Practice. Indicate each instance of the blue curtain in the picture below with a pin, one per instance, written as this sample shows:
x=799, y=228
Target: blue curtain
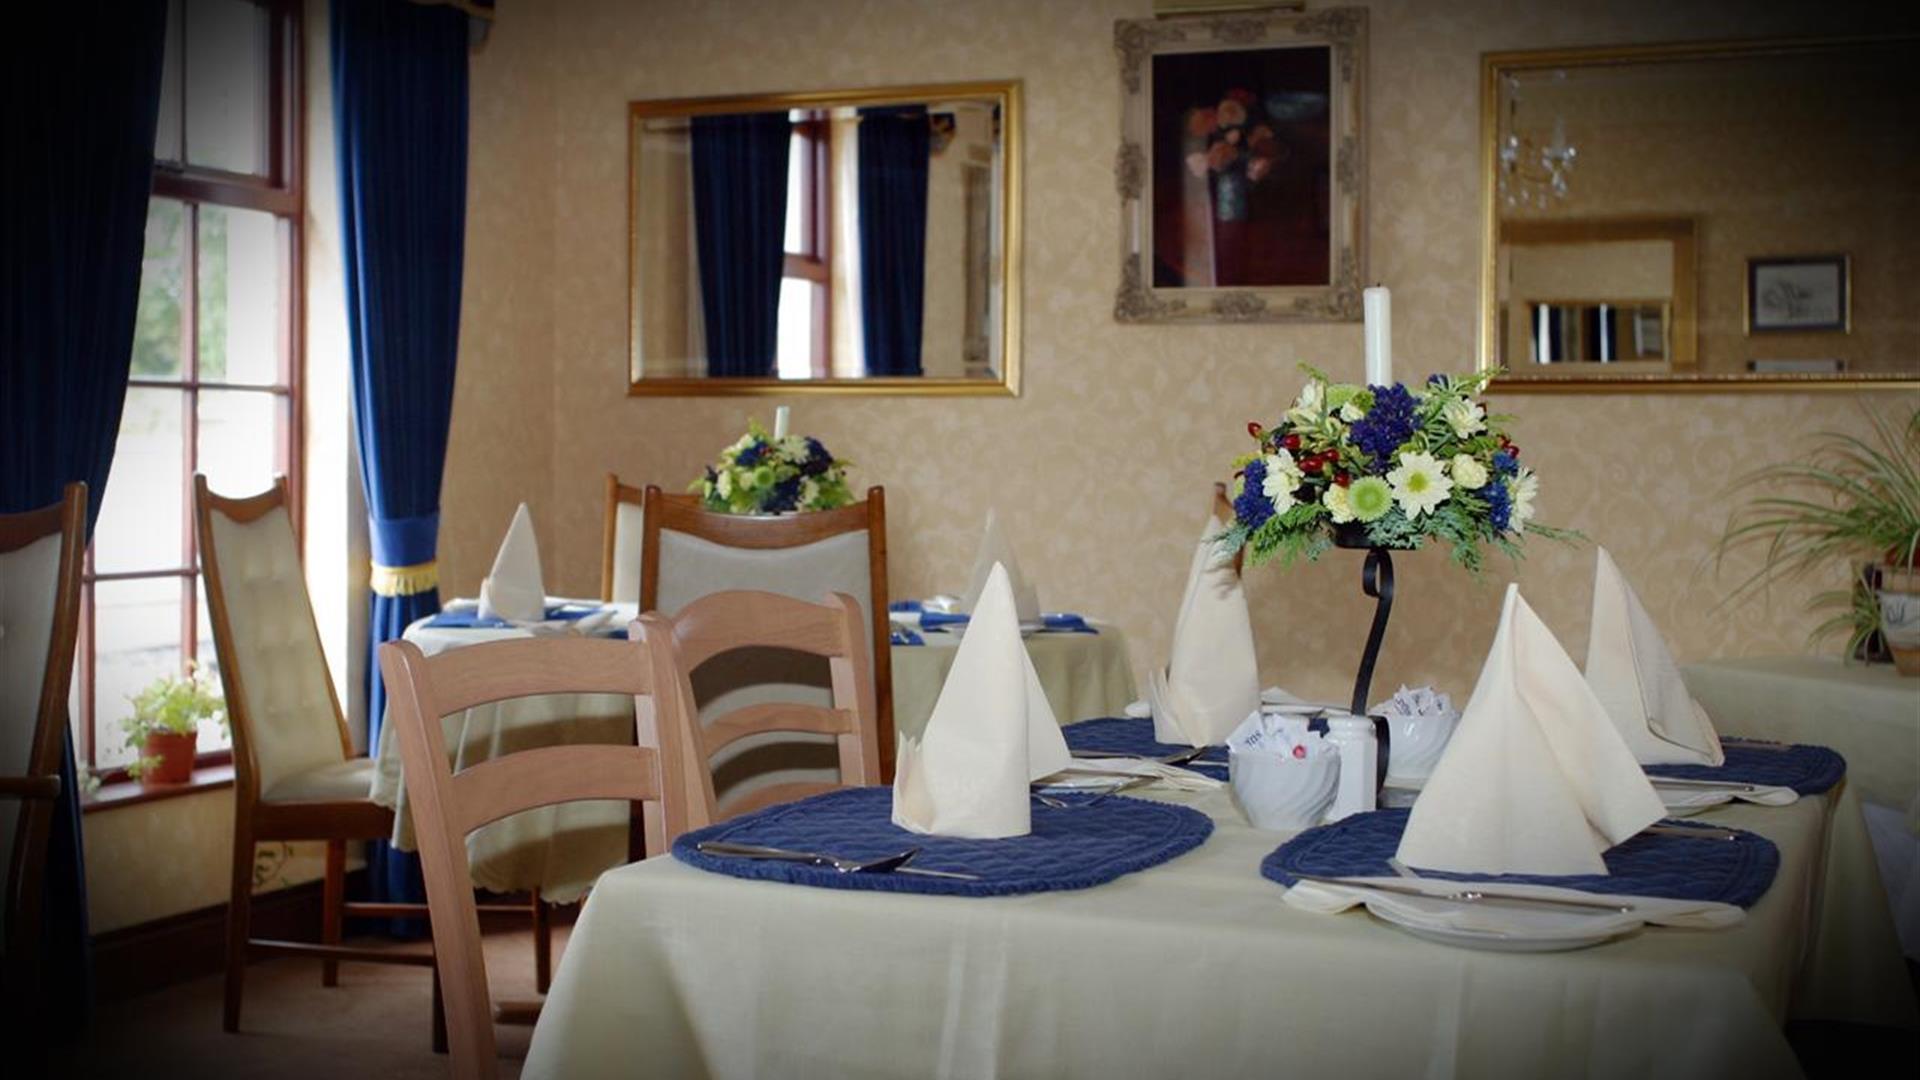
x=740, y=223
x=894, y=151
x=400, y=119
x=82, y=92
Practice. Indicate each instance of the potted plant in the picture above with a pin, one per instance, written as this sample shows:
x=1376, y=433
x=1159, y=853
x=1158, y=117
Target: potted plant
x=1849, y=497
x=165, y=726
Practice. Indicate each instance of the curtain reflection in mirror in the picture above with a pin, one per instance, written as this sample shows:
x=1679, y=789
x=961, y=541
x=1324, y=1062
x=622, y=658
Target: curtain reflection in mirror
x=740, y=212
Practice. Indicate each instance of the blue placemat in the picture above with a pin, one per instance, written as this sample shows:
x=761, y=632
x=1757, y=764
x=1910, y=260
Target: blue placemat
x=1808, y=770
x=468, y=618
x=1134, y=735
x=1051, y=622
x=1071, y=848
x=1675, y=867
x=905, y=635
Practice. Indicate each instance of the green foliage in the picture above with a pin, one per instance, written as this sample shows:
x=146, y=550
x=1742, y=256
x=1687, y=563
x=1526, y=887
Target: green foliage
x=174, y=704
x=1288, y=536
x=1856, y=612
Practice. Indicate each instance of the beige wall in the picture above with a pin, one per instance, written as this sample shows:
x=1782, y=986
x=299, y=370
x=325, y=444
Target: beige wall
x=1103, y=463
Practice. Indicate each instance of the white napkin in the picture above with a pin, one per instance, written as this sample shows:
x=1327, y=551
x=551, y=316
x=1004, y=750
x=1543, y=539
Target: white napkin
x=991, y=734
x=1212, y=681
x=514, y=591
x=1634, y=675
x=1536, y=780
x=994, y=548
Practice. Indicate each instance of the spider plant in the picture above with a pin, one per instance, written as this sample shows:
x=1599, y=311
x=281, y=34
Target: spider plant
x=1848, y=497
x=1856, y=611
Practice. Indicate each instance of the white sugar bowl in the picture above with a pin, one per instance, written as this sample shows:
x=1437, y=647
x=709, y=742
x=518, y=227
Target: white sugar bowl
x=1282, y=792
x=1415, y=745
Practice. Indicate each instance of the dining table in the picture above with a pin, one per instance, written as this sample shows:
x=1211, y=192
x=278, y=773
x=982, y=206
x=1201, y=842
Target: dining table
x=1198, y=967
x=561, y=850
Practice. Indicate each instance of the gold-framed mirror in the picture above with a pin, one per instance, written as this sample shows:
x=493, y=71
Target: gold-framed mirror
x=1702, y=216
x=836, y=241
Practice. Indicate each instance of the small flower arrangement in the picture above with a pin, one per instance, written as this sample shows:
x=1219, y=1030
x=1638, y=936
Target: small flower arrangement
x=166, y=719
x=761, y=474
x=1384, y=466
x=1234, y=142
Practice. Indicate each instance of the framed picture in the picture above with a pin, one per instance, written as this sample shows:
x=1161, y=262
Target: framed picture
x=1802, y=293
x=1241, y=169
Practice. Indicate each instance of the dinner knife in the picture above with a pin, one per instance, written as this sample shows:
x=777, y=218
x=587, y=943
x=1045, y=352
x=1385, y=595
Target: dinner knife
x=1468, y=894
x=755, y=851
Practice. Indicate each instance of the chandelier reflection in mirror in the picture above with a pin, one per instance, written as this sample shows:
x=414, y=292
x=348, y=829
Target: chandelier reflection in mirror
x=1532, y=173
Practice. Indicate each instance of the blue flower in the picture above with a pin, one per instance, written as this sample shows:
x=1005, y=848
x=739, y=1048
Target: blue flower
x=1505, y=464
x=784, y=496
x=1386, y=426
x=1437, y=379
x=1499, y=503
x=818, y=460
x=1252, y=506
x=752, y=455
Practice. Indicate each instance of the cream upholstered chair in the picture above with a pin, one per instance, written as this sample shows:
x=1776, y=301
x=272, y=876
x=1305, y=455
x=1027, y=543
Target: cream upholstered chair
x=295, y=774
x=689, y=552
x=446, y=806
x=40, y=553
x=620, y=549
x=726, y=622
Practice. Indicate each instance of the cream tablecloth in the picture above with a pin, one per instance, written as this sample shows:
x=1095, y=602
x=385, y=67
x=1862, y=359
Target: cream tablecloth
x=1870, y=714
x=1197, y=968
x=562, y=849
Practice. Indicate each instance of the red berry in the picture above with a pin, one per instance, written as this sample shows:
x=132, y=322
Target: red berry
x=1344, y=479
x=1254, y=429
x=1513, y=450
x=1291, y=442
x=1299, y=751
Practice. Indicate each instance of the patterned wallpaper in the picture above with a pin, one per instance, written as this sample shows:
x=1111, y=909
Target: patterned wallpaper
x=1102, y=466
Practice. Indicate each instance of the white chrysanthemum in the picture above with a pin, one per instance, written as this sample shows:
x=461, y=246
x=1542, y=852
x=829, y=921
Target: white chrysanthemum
x=1335, y=500
x=724, y=483
x=1419, y=484
x=1467, y=472
x=1282, y=477
x=1309, y=405
x=809, y=492
x=1351, y=413
x=1523, y=487
x=1464, y=417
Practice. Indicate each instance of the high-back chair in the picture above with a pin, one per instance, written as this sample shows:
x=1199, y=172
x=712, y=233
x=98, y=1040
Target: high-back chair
x=724, y=622
x=446, y=806
x=689, y=552
x=295, y=773
x=620, y=547
x=40, y=553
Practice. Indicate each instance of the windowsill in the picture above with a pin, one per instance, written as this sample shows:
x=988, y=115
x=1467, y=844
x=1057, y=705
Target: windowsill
x=131, y=793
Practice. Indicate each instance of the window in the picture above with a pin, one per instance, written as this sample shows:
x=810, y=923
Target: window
x=216, y=365
x=806, y=281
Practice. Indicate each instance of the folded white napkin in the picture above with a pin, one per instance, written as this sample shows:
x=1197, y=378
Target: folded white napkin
x=514, y=591
x=1683, y=801
x=995, y=548
x=991, y=734
x=1536, y=780
x=1212, y=680
x=1634, y=675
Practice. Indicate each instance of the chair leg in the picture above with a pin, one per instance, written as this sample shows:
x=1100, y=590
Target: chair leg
x=542, y=944
x=439, y=1015
x=239, y=909
x=332, y=896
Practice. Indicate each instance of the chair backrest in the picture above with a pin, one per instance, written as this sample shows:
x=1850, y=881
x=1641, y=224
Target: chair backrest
x=40, y=552
x=280, y=699
x=689, y=552
x=725, y=622
x=447, y=806
x=620, y=551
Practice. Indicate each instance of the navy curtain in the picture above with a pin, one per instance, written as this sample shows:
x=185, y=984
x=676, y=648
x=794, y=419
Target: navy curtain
x=82, y=94
x=400, y=119
x=740, y=223
x=894, y=151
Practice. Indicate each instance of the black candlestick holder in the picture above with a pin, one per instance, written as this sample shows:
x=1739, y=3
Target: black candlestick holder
x=1376, y=580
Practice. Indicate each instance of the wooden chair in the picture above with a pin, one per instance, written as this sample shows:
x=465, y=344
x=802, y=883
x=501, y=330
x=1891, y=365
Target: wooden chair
x=447, y=806
x=40, y=553
x=727, y=621
x=688, y=552
x=620, y=548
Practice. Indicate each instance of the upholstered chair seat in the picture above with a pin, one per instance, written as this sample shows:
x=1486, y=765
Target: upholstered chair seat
x=339, y=781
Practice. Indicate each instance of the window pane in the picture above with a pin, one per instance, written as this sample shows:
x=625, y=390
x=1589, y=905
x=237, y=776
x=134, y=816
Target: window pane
x=228, y=85
x=166, y=138
x=136, y=640
x=797, y=173
x=212, y=736
x=239, y=440
x=241, y=288
x=143, y=508
x=795, y=356
x=156, y=327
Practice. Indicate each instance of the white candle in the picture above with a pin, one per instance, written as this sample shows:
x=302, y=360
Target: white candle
x=1379, y=312
x=780, y=422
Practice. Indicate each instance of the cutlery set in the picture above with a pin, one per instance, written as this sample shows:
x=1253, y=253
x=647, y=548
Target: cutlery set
x=886, y=864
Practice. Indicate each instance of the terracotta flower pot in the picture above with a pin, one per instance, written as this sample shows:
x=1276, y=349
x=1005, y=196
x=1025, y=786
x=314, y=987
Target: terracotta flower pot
x=1900, y=616
x=176, y=758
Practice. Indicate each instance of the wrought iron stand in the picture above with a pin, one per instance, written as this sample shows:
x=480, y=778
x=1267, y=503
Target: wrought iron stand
x=1376, y=580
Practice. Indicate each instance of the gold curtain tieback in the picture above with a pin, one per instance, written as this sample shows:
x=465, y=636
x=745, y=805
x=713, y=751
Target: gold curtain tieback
x=405, y=580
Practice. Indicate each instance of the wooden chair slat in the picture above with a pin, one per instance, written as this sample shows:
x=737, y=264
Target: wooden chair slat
x=493, y=789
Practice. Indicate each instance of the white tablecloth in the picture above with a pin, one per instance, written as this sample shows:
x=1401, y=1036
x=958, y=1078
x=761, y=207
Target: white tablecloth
x=1197, y=968
x=1870, y=714
x=562, y=849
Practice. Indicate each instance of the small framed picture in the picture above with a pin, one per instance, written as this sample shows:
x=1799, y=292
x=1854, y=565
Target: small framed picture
x=1801, y=293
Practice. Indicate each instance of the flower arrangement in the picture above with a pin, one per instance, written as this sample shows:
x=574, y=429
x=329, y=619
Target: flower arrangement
x=765, y=474
x=1234, y=143
x=1384, y=466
